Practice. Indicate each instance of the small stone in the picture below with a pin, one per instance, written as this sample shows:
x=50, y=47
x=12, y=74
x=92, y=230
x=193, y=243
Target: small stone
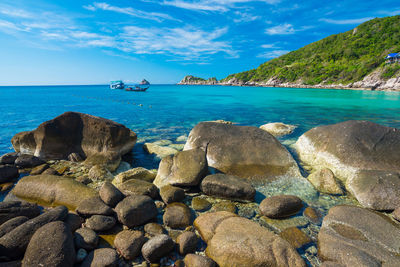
x=312, y=214
x=129, y=243
x=101, y=257
x=81, y=255
x=246, y=212
x=187, y=242
x=324, y=181
x=281, y=224
x=39, y=169
x=280, y=206
x=295, y=237
x=93, y=206
x=154, y=229
x=177, y=216
x=170, y=194
x=200, y=204
x=278, y=128
x=74, y=221
x=100, y=223
x=224, y=205
x=157, y=247
x=86, y=238
x=110, y=194
x=194, y=260
x=396, y=214
x=136, y=210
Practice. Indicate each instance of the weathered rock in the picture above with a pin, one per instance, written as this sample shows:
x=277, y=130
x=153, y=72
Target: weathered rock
x=12, y=209
x=104, y=257
x=136, y=173
x=324, y=181
x=224, y=205
x=139, y=187
x=129, y=243
x=9, y=158
x=159, y=151
x=100, y=223
x=50, y=171
x=247, y=152
x=187, y=242
x=350, y=146
x=51, y=245
x=14, y=243
x=295, y=237
x=106, y=160
x=9, y=225
x=157, y=247
x=354, y=236
x=177, y=216
x=281, y=224
x=39, y=169
x=74, y=221
x=110, y=194
x=7, y=173
x=200, y=204
x=136, y=210
x=74, y=132
x=280, y=206
x=227, y=186
x=52, y=190
x=378, y=190
x=93, y=206
x=226, y=235
x=28, y=161
x=171, y=194
x=153, y=229
x=278, y=128
x=186, y=168
x=193, y=260
x=75, y=157
x=86, y=238
x=396, y=214
x=100, y=173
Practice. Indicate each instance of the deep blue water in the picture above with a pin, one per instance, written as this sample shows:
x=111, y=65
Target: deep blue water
x=168, y=111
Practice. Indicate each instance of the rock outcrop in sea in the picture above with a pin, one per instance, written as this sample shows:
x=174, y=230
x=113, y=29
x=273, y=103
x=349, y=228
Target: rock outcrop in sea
x=191, y=80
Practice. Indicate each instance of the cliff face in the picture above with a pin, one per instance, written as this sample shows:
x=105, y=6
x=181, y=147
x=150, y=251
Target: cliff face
x=191, y=80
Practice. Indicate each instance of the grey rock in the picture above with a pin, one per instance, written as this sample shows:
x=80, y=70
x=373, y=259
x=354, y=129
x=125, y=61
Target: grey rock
x=9, y=225
x=100, y=223
x=104, y=257
x=187, y=242
x=139, y=187
x=86, y=238
x=74, y=221
x=157, y=247
x=110, y=194
x=136, y=210
x=280, y=206
x=93, y=206
x=177, y=216
x=11, y=209
x=7, y=173
x=193, y=260
x=129, y=243
x=171, y=194
x=28, y=161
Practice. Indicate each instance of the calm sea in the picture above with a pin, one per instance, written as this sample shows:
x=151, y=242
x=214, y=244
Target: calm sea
x=168, y=111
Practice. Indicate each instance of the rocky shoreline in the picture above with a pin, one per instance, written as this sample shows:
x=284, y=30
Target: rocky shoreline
x=230, y=196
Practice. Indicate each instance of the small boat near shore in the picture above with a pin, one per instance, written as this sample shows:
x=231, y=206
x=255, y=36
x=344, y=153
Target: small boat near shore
x=117, y=85
x=141, y=87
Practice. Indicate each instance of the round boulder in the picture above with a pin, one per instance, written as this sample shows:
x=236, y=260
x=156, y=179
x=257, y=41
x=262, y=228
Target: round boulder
x=157, y=247
x=171, y=194
x=187, y=242
x=136, y=210
x=193, y=260
x=86, y=238
x=139, y=187
x=281, y=206
x=106, y=257
x=177, y=216
x=129, y=243
x=278, y=128
x=100, y=223
x=110, y=194
x=324, y=181
x=93, y=206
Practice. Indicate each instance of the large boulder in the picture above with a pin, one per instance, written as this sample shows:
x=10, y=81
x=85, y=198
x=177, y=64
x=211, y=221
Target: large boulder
x=12, y=209
x=52, y=190
x=74, y=132
x=354, y=236
x=129, y=243
x=247, y=152
x=351, y=146
x=185, y=168
x=51, y=245
x=236, y=241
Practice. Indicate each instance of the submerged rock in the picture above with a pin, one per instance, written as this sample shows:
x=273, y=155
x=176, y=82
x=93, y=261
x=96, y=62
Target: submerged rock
x=278, y=128
x=247, y=152
x=135, y=173
x=160, y=151
x=74, y=132
x=295, y=237
x=281, y=206
x=324, y=181
x=354, y=236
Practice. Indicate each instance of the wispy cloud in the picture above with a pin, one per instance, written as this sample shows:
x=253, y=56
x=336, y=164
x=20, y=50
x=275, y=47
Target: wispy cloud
x=346, y=21
x=14, y=12
x=245, y=17
x=273, y=54
x=7, y=26
x=130, y=11
x=285, y=29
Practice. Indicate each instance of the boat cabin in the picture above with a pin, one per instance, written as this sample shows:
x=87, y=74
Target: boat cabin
x=393, y=58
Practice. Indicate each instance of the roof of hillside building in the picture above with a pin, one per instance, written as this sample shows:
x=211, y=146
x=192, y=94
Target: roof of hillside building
x=392, y=55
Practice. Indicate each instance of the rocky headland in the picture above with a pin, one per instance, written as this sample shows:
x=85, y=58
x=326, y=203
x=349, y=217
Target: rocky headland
x=230, y=196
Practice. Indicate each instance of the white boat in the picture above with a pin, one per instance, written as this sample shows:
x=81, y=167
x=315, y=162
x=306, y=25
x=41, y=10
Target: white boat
x=117, y=85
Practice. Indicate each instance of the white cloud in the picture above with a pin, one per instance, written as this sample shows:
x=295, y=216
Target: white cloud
x=273, y=54
x=285, y=29
x=13, y=12
x=245, y=17
x=346, y=21
x=268, y=46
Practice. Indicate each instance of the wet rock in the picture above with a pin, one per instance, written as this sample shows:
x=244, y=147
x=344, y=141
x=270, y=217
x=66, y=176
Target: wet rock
x=7, y=173
x=9, y=225
x=224, y=205
x=100, y=173
x=324, y=181
x=74, y=132
x=171, y=194
x=312, y=214
x=159, y=151
x=177, y=216
x=135, y=173
x=106, y=257
x=51, y=245
x=110, y=194
x=52, y=190
x=295, y=237
x=12, y=209
x=139, y=187
x=280, y=224
x=186, y=168
x=80, y=255
x=157, y=247
x=93, y=206
x=278, y=128
x=86, y=238
x=136, y=210
x=354, y=236
x=193, y=260
x=107, y=160
x=200, y=204
x=14, y=243
x=227, y=186
x=153, y=229
x=247, y=152
x=226, y=233
x=378, y=190
x=129, y=243
x=100, y=223
x=28, y=161
x=39, y=169
x=8, y=158
x=281, y=206
x=351, y=146
x=187, y=242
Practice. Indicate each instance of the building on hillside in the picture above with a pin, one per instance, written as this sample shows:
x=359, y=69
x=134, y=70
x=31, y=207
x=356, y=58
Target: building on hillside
x=393, y=58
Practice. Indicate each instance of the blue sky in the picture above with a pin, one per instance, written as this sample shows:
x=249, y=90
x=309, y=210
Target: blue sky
x=93, y=42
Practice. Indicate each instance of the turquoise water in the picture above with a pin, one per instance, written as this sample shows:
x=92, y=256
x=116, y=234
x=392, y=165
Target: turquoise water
x=168, y=111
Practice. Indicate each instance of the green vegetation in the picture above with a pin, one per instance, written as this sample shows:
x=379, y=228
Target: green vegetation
x=342, y=58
